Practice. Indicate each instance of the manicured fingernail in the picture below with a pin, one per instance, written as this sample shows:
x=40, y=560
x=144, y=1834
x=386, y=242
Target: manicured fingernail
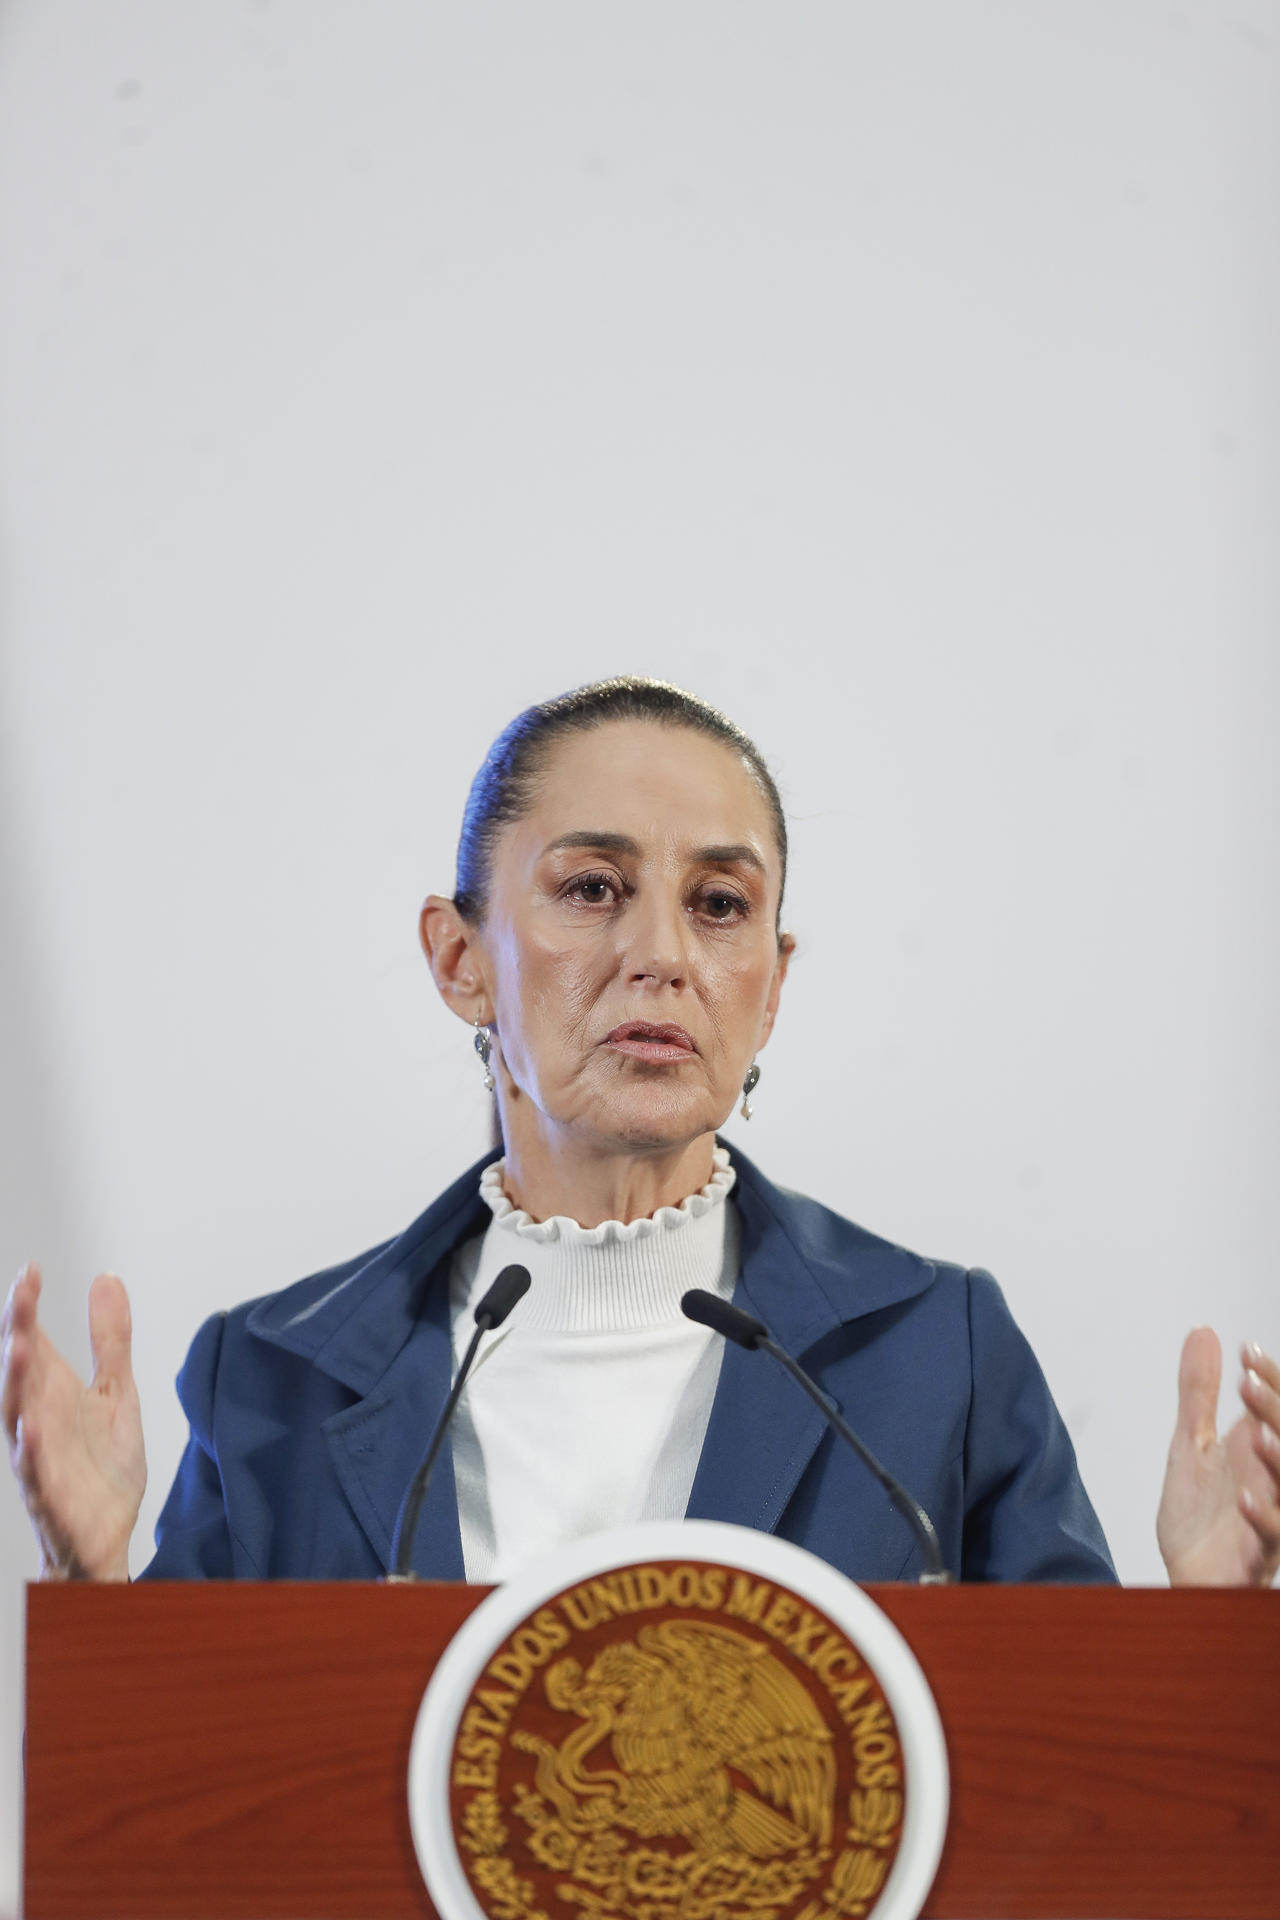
x=1247, y=1500
x=1253, y=1350
x=1270, y=1438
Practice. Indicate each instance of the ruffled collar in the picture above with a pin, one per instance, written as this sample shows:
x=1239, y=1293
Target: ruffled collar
x=694, y=1206
x=615, y=1277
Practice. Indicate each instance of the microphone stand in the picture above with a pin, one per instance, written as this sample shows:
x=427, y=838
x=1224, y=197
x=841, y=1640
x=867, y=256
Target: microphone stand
x=511, y=1285
x=709, y=1310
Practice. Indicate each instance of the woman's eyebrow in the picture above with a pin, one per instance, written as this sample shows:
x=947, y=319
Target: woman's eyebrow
x=739, y=854
x=607, y=842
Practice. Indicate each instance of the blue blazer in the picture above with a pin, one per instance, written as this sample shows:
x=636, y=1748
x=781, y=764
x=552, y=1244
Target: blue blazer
x=310, y=1410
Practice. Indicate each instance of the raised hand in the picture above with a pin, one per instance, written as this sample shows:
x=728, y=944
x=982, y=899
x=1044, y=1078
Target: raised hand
x=76, y=1450
x=1219, y=1519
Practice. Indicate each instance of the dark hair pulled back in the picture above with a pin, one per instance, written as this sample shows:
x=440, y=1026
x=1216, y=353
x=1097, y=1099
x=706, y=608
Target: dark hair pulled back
x=503, y=790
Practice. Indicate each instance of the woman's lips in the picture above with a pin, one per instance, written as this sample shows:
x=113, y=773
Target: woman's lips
x=644, y=1040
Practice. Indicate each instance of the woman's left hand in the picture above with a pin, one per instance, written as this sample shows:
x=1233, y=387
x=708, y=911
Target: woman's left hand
x=1219, y=1519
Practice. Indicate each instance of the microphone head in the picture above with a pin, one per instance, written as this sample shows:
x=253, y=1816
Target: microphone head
x=511, y=1285
x=711, y=1311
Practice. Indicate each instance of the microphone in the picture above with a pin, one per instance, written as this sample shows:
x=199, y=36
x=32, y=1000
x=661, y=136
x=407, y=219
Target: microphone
x=711, y=1311
x=511, y=1285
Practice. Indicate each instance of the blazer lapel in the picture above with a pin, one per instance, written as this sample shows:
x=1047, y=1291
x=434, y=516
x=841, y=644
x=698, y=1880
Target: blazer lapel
x=381, y=1328
x=763, y=1432
x=806, y=1273
x=378, y=1444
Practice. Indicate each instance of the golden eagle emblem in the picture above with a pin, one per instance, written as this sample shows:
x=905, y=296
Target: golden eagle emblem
x=689, y=1732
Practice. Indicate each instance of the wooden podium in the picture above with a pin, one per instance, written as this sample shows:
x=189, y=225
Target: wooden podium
x=225, y=1750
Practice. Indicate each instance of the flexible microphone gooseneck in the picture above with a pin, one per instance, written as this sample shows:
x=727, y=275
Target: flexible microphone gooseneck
x=711, y=1311
x=511, y=1285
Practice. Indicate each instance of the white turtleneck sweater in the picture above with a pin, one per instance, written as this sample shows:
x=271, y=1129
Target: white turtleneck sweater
x=588, y=1408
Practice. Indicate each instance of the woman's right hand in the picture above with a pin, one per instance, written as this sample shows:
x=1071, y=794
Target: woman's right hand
x=76, y=1450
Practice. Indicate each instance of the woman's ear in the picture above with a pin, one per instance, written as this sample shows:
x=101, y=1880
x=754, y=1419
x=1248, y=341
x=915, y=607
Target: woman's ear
x=456, y=959
x=786, y=947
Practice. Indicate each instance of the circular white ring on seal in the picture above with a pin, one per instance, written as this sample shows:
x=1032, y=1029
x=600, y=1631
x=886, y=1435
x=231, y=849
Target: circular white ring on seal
x=716, y=1543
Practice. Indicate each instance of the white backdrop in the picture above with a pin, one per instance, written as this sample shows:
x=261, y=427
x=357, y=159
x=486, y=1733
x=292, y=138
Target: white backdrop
x=901, y=377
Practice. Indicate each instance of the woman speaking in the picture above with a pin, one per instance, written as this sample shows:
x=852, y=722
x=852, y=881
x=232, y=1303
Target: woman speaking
x=614, y=948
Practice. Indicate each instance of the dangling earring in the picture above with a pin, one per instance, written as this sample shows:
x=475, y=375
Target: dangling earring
x=483, y=1045
x=749, y=1086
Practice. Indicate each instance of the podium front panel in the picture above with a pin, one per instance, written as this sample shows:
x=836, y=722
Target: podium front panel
x=237, y=1750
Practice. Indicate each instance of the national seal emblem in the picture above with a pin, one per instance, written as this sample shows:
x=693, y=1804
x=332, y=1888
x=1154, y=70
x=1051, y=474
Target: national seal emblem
x=697, y=1737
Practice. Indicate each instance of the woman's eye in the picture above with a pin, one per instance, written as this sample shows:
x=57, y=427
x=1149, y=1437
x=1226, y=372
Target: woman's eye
x=719, y=905
x=594, y=889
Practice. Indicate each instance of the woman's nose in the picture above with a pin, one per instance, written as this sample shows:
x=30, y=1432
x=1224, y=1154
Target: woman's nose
x=655, y=947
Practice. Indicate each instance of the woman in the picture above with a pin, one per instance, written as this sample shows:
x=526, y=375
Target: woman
x=615, y=946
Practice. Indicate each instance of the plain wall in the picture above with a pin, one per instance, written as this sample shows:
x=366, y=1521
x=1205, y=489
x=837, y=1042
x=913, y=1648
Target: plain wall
x=901, y=377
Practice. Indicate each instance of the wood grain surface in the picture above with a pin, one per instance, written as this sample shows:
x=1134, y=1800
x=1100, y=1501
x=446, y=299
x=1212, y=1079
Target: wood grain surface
x=242, y=1750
